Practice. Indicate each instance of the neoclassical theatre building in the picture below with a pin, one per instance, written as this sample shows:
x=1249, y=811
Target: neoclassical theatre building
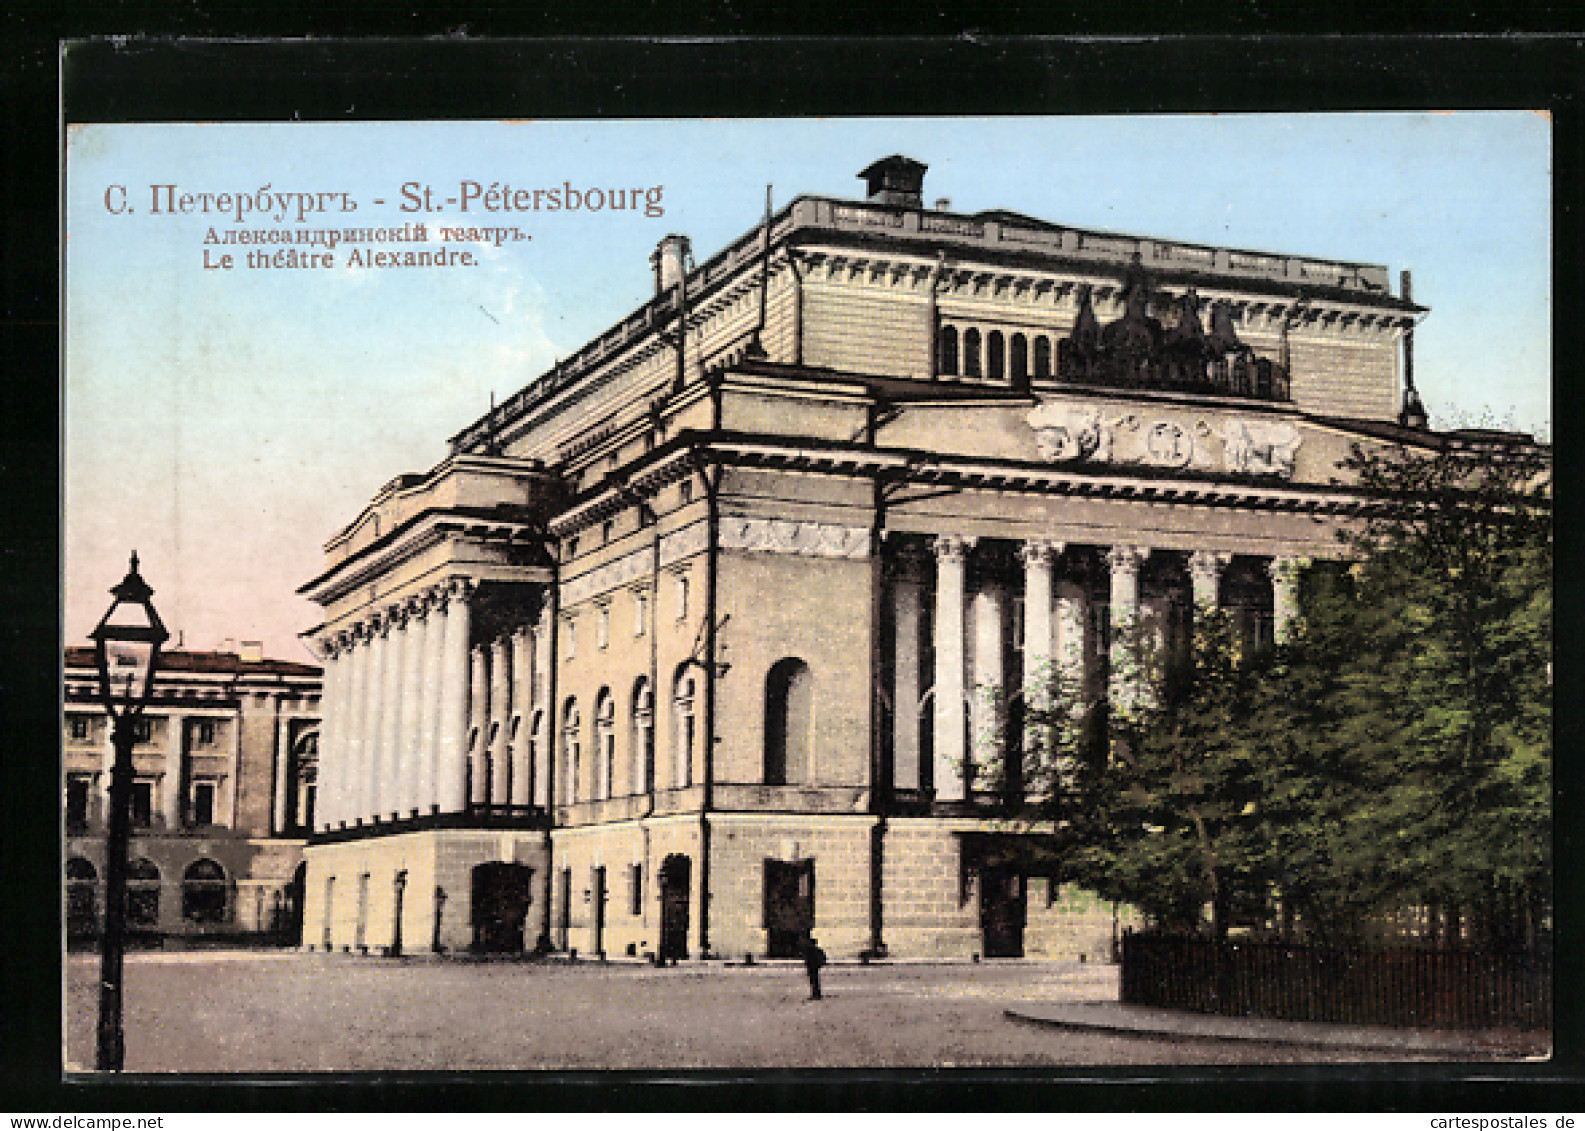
x=697, y=642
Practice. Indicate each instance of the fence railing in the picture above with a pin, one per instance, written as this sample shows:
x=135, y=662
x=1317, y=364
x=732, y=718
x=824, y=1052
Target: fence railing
x=1403, y=986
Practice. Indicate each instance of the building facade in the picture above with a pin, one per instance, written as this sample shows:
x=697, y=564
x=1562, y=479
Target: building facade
x=704, y=638
x=223, y=796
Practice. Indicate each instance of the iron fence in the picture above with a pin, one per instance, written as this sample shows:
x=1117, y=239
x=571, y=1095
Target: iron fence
x=1434, y=988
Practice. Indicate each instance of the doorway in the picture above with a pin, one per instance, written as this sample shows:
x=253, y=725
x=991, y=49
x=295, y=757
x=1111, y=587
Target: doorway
x=597, y=930
x=789, y=906
x=501, y=894
x=1002, y=912
x=675, y=874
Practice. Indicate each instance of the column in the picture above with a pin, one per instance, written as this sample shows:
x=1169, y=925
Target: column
x=283, y=759
x=950, y=723
x=452, y=742
x=1126, y=679
x=385, y=781
x=1039, y=557
x=478, y=730
x=990, y=637
x=907, y=618
x=171, y=794
x=356, y=717
x=544, y=751
x=414, y=655
x=1284, y=573
x=373, y=704
x=330, y=698
x=1205, y=576
x=500, y=721
x=425, y=779
x=523, y=708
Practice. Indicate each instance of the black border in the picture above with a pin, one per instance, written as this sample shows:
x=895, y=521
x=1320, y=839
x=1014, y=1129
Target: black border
x=455, y=75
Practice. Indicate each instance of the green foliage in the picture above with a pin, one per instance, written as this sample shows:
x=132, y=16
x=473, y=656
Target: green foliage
x=1394, y=751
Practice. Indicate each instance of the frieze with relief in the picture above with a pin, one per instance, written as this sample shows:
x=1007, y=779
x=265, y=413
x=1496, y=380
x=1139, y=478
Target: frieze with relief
x=1076, y=433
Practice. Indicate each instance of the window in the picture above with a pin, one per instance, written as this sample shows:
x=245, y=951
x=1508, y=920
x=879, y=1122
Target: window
x=635, y=889
x=971, y=352
x=606, y=531
x=1020, y=359
x=204, y=732
x=143, y=729
x=602, y=626
x=1042, y=356
x=570, y=637
x=204, y=803
x=643, y=771
x=947, y=360
x=82, y=909
x=995, y=355
x=683, y=713
x=605, y=743
x=682, y=597
x=789, y=713
x=572, y=548
x=572, y=752
x=536, y=746
x=640, y=612
x=143, y=893
x=79, y=727
x=142, y=804
x=78, y=791
x=204, y=892
x=685, y=491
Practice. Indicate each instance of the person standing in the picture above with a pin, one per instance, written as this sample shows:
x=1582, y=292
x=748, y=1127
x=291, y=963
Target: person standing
x=814, y=958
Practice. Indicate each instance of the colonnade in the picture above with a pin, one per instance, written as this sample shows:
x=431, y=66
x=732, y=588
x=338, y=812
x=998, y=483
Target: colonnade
x=1053, y=639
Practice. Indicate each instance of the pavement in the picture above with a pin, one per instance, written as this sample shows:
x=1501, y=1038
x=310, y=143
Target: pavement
x=1147, y=1021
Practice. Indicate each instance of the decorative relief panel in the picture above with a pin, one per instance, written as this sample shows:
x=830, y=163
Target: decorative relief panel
x=806, y=539
x=1069, y=433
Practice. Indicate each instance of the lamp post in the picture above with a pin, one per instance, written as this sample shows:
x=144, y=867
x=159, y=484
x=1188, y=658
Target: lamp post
x=127, y=650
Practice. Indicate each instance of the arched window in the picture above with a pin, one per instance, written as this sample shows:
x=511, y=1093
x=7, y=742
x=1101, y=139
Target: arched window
x=947, y=358
x=143, y=893
x=1042, y=356
x=789, y=715
x=643, y=779
x=1019, y=361
x=995, y=356
x=605, y=744
x=204, y=892
x=684, y=695
x=536, y=750
x=971, y=352
x=571, y=752
x=82, y=905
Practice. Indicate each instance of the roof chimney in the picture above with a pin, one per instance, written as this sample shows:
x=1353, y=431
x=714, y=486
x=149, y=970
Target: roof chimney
x=896, y=180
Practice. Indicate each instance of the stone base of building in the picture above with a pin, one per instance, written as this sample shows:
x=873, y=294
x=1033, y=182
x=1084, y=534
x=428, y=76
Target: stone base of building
x=444, y=890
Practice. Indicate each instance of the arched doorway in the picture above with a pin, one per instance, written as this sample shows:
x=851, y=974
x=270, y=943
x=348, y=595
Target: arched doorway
x=675, y=875
x=1002, y=911
x=501, y=894
x=143, y=894
x=204, y=892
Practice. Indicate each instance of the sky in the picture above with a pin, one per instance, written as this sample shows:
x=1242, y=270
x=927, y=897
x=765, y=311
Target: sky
x=226, y=422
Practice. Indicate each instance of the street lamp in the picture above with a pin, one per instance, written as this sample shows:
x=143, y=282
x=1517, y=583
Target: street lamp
x=127, y=650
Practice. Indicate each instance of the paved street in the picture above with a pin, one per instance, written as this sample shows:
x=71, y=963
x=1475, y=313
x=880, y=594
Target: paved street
x=287, y=1012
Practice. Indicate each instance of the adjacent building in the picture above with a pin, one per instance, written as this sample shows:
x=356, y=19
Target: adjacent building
x=223, y=797
x=707, y=637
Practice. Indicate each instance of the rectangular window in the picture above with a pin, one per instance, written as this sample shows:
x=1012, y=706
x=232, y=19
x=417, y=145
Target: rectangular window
x=682, y=597
x=569, y=631
x=602, y=627
x=640, y=612
x=635, y=889
x=143, y=730
x=606, y=532
x=685, y=491
x=204, y=732
x=204, y=803
x=77, y=793
x=142, y=804
x=80, y=727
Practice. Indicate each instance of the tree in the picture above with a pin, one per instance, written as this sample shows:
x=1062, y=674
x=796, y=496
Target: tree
x=1393, y=752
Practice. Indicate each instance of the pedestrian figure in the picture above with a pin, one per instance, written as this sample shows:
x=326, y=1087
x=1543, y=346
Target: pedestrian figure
x=814, y=958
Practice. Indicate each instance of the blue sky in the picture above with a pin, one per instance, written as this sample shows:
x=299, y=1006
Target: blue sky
x=226, y=423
